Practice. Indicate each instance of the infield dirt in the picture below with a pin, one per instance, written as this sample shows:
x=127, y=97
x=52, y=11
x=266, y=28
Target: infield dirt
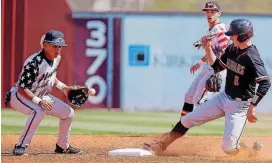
x=189, y=149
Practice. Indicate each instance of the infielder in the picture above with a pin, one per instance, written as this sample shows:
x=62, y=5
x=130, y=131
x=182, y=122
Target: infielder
x=31, y=94
x=197, y=93
x=245, y=69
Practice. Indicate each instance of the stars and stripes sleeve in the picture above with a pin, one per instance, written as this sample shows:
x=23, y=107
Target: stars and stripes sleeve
x=223, y=40
x=29, y=75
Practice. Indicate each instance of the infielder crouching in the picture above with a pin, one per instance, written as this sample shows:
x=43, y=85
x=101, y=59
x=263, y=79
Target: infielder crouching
x=245, y=69
x=31, y=95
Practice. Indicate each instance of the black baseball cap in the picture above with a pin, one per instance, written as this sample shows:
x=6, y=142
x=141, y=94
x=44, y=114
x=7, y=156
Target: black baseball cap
x=55, y=37
x=212, y=5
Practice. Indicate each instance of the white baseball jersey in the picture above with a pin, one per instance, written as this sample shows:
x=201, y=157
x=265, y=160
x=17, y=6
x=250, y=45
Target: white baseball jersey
x=196, y=93
x=39, y=74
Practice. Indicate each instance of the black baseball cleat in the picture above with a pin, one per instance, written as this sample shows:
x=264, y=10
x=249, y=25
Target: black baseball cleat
x=69, y=150
x=19, y=151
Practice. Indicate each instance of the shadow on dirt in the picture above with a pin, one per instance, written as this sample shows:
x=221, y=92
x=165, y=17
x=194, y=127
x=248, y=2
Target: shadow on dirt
x=40, y=153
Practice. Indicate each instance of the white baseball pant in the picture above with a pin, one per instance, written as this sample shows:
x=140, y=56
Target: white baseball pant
x=36, y=114
x=197, y=88
x=235, y=113
x=197, y=93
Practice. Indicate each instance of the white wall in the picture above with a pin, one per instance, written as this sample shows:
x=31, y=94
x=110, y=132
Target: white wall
x=162, y=86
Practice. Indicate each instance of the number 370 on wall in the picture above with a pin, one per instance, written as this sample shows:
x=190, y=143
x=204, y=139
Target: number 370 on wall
x=96, y=48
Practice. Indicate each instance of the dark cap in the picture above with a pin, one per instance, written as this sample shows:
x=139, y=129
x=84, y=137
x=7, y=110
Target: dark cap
x=55, y=37
x=240, y=26
x=212, y=5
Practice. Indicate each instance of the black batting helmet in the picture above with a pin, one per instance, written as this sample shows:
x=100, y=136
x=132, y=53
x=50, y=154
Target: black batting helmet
x=241, y=27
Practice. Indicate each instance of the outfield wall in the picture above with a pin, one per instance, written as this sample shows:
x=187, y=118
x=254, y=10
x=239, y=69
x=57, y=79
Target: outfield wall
x=163, y=78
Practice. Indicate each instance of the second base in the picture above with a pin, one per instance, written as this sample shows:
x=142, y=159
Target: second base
x=130, y=152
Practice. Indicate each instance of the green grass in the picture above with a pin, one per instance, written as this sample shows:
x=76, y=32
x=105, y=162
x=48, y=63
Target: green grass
x=97, y=122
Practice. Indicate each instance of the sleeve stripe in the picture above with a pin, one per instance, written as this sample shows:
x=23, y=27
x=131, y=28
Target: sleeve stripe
x=261, y=78
x=223, y=46
x=259, y=94
x=223, y=43
x=222, y=37
x=222, y=40
x=220, y=34
x=222, y=63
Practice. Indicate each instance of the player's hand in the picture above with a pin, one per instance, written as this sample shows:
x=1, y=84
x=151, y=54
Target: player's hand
x=194, y=68
x=46, y=104
x=203, y=39
x=207, y=42
x=251, y=114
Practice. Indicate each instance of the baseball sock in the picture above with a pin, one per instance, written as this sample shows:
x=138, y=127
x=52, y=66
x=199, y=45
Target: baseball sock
x=187, y=108
x=179, y=128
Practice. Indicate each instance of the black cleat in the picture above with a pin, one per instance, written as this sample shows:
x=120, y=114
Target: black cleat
x=69, y=150
x=19, y=151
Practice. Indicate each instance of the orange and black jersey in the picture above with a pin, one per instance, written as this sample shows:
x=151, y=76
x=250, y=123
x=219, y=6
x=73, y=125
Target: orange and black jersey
x=245, y=68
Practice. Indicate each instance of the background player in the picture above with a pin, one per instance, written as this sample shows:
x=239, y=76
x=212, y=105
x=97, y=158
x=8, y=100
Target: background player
x=196, y=93
x=237, y=103
x=31, y=95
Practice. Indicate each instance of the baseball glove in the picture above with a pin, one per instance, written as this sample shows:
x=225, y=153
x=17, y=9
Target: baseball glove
x=213, y=84
x=198, y=44
x=78, y=95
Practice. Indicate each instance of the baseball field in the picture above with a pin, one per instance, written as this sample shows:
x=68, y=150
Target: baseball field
x=99, y=131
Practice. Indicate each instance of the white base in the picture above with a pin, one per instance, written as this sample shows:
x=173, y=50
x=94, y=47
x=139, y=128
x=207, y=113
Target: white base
x=130, y=152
